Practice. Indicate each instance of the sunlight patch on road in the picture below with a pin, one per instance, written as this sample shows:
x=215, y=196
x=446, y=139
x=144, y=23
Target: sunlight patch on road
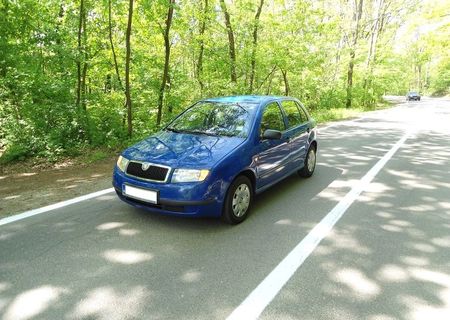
x=421, y=310
x=107, y=304
x=191, y=276
x=363, y=287
x=392, y=273
x=128, y=232
x=11, y=197
x=126, y=256
x=110, y=225
x=31, y=303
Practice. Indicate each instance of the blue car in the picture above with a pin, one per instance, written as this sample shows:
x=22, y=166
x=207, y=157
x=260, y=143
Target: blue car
x=213, y=158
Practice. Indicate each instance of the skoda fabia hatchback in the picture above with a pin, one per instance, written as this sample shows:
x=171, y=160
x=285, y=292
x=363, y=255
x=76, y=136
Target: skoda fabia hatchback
x=215, y=156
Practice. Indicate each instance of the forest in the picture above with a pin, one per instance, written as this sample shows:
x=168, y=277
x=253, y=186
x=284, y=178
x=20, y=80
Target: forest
x=84, y=74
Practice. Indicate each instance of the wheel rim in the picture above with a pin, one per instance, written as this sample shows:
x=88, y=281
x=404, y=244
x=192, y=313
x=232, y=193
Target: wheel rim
x=311, y=160
x=241, y=200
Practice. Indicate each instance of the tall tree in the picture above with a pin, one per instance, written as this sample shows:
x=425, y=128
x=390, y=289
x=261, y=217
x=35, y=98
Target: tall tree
x=127, y=68
x=81, y=18
x=357, y=13
x=202, y=29
x=231, y=42
x=255, y=44
x=113, y=51
x=167, y=46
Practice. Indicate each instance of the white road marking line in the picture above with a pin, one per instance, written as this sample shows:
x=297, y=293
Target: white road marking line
x=263, y=294
x=54, y=206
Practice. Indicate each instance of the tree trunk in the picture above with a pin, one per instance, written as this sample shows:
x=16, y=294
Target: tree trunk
x=286, y=83
x=202, y=47
x=80, y=31
x=356, y=18
x=85, y=66
x=231, y=44
x=371, y=55
x=127, y=68
x=166, y=61
x=116, y=65
x=255, y=44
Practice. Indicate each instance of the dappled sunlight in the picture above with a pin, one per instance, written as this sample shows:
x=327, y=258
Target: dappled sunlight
x=415, y=261
x=26, y=174
x=110, y=225
x=392, y=273
x=106, y=197
x=11, y=197
x=420, y=309
x=424, y=247
x=284, y=222
x=128, y=232
x=106, y=303
x=126, y=256
x=443, y=242
x=362, y=287
x=191, y=276
x=391, y=228
x=31, y=303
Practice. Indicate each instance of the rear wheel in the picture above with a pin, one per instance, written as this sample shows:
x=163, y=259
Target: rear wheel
x=238, y=200
x=310, y=163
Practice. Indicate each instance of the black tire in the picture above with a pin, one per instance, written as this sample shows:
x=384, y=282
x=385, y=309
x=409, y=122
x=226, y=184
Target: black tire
x=234, y=216
x=308, y=170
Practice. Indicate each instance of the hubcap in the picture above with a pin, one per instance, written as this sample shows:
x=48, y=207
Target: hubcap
x=311, y=160
x=241, y=200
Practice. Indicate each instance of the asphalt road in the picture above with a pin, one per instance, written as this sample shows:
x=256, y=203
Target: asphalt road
x=388, y=257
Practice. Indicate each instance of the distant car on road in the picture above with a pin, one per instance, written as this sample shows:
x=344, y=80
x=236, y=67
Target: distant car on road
x=413, y=96
x=214, y=157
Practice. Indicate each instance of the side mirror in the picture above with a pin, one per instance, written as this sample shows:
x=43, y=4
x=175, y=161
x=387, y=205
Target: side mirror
x=272, y=134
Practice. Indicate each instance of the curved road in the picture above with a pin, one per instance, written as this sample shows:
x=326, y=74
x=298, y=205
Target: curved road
x=387, y=256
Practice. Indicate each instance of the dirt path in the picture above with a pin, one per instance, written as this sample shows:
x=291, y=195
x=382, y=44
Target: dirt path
x=23, y=188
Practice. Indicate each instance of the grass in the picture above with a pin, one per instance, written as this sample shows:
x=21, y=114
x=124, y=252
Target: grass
x=335, y=114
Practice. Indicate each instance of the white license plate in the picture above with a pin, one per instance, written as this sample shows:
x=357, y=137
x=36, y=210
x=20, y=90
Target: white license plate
x=140, y=194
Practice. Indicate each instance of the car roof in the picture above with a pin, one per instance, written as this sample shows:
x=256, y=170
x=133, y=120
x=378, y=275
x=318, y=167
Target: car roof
x=246, y=99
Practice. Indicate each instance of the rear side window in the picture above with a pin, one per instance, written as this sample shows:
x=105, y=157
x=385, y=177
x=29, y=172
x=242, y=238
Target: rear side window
x=272, y=118
x=303, y=113
x=294, y=115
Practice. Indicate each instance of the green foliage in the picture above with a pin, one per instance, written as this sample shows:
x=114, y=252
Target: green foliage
x=303, y=49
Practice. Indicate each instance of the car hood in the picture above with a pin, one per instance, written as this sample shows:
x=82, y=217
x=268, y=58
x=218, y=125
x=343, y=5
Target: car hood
x=182, y=150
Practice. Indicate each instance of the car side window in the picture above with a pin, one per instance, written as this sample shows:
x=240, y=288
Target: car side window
x=272, y=118
x=293, y=113
x=302, y=113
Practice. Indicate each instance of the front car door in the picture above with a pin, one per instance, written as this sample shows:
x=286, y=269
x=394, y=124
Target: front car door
x=272, y=156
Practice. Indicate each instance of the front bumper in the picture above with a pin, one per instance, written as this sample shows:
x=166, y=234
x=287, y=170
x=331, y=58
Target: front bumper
x=182, y=199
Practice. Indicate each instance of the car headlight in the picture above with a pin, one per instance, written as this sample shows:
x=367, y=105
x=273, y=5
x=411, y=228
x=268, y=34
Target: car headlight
x=122, y=163
x=189, y=175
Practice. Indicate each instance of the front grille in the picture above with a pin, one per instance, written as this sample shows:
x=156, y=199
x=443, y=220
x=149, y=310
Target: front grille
x=154, y=172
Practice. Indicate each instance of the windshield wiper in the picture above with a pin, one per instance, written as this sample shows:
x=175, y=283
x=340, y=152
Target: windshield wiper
x=189, y=131
x=173, y=130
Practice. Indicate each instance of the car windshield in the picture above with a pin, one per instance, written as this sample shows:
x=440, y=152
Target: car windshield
x=215, y=118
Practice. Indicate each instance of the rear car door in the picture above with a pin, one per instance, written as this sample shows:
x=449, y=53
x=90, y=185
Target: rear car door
x=297, y=132
x=272, y=156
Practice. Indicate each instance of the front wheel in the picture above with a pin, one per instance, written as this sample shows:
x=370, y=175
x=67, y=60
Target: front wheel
x=238, y=201
x=310, y=163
